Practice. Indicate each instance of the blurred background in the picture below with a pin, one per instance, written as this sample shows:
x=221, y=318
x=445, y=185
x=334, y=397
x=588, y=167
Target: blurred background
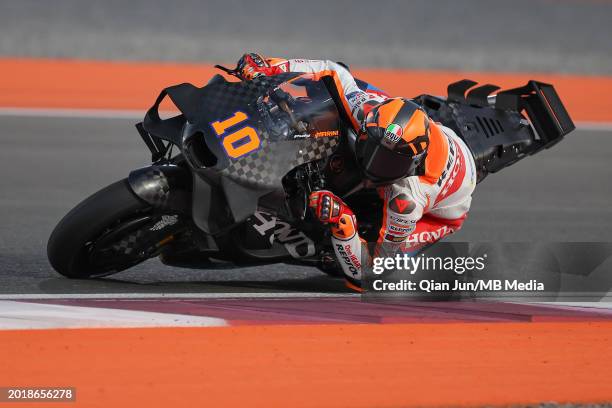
x=533, y=35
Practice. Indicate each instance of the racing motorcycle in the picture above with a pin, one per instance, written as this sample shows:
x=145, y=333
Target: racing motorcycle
x=231, y=173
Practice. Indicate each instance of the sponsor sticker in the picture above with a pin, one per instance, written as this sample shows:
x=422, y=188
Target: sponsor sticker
x=401, y=220
x=399, y=229
x=166, y=221
x=327, y=133
x=393, y=133
x=401, y=204
x=393, y=238
x=357, y=98
x=349, y=260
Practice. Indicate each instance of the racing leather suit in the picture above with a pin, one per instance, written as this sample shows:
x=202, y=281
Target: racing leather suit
x=417, y=210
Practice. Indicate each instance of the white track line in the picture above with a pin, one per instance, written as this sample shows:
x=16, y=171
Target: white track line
x=22, y=315
x=607, y=305
x=241, y=295
x=139, y=114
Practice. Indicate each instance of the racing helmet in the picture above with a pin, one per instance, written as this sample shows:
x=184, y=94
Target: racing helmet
x=393, y=140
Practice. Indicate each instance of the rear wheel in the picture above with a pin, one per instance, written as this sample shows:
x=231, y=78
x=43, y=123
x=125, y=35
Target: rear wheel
x=108, y=232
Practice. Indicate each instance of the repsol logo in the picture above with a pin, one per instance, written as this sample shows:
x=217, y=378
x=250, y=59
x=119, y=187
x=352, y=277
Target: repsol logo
x=347, y=260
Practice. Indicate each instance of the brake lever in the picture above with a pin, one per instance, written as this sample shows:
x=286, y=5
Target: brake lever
x=308, y=184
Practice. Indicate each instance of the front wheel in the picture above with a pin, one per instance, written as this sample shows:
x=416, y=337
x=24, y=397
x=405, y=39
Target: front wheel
x=108, y=232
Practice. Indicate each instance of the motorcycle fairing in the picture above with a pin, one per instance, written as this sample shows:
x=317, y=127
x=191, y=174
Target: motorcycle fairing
x=264, y=167
x=494, y=128
x=237, y=105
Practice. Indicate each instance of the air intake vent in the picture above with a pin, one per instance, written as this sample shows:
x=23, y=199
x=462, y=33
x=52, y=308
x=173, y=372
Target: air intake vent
x=198, y=153
x=490, y=127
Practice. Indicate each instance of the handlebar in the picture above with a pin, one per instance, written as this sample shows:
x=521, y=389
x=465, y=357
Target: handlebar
x=279, y=96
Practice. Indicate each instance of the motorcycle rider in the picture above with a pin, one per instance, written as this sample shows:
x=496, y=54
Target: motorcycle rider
x=423, y=171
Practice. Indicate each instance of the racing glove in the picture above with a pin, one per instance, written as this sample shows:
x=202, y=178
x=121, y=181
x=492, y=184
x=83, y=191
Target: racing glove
x=252, y=65
x=330, y=209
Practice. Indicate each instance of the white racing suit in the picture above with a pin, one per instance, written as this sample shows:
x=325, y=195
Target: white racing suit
x=417, y=210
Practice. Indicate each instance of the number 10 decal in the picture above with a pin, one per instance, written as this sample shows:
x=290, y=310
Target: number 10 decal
x=240, y=142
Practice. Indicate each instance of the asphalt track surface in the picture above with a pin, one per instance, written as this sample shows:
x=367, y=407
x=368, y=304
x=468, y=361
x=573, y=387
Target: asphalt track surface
x=535, y=35
x=49, y=164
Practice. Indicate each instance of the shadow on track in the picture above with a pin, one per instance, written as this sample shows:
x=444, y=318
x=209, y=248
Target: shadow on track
x=315, y=285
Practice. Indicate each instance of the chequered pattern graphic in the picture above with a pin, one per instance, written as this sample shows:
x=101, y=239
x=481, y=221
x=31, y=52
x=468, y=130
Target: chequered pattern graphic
x=267, y=166
x=316, y=149
x=225, y=98
x=159, y=190
x=127, y=244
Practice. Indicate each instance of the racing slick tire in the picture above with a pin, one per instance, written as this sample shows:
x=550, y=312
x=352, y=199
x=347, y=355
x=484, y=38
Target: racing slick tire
x=70, y=244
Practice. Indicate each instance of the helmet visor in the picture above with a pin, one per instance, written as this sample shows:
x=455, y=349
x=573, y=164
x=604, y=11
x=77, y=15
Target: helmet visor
x=383, y=165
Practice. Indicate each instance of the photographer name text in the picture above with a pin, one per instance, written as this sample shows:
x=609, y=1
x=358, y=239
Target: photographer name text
x=480, y=285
